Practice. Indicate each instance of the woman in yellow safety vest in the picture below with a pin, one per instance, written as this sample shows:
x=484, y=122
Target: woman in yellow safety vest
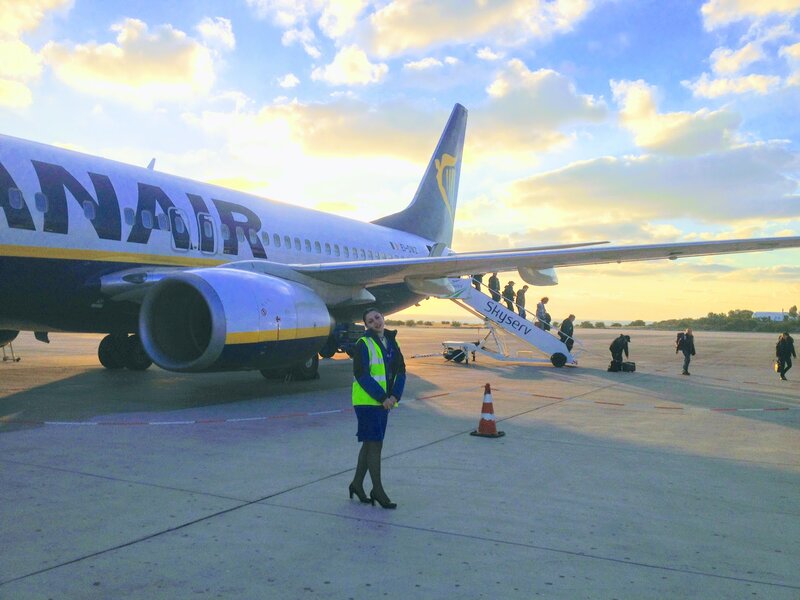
x=380, y=376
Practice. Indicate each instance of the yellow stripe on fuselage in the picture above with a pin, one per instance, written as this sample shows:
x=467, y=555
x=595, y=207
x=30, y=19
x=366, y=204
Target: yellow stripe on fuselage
x=254, y=337
x=108, y=256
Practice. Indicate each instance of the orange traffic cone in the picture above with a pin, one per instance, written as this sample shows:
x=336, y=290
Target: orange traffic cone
x=487, y=426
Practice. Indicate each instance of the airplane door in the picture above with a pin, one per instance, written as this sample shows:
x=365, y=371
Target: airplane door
x=181, y=240
x=205, y=225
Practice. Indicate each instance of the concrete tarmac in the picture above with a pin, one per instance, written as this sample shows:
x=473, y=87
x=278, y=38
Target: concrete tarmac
x=606, y=485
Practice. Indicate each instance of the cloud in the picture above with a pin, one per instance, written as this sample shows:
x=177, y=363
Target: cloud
x=303, y=36
x=17, y=18
x=284, y=13
x=217, y=32
x=19, y=64
x=672, y=133
x=411, y=25
x=526, y=110
x=350, y=67
x=718, y=13
x=792, y=55
x=754, y=180
x=142, y=68
x=14, y=94
x=725, y=61
x=423, y=64
x=487, y=53
x=289, y=80
x=340, y=16
x=706, y=87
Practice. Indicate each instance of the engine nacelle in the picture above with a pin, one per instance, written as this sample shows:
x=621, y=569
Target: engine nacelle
x=538, y=276
x=221, y=319
x=7, y=335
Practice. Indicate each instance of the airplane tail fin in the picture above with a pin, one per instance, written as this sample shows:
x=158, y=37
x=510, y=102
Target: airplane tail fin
x=433, y=209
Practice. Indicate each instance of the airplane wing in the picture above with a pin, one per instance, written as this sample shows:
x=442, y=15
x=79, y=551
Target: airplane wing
x=375, y=272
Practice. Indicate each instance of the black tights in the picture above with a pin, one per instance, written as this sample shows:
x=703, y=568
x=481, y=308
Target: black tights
x=369, y=459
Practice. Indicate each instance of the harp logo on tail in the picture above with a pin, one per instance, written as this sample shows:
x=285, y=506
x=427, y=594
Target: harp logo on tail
x=446, y=177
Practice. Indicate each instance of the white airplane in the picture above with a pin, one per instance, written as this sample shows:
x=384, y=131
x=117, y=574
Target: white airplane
x=195, y=277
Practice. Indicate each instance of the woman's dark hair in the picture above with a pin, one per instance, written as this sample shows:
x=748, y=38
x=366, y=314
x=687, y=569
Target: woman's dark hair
x=366, y=312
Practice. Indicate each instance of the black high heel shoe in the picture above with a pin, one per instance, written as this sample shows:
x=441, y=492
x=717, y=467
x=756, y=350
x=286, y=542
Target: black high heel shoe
x=361, y=495
x=384, y=504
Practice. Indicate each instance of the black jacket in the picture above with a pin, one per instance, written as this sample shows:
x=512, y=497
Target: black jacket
x=785, y=347
x=686, y=344
x=619, y=345
x=508, y=293
x=566, y=327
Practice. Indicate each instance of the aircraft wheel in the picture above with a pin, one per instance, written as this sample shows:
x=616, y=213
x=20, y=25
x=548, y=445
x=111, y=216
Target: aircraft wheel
x=558, y=360
x=274, y=374
x=329, y=349
x=136, y=359
x=306, y=370
x=110, y=352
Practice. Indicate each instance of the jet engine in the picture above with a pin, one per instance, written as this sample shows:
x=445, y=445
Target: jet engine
x=221, y=319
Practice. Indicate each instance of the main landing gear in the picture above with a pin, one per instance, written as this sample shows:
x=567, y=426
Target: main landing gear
x=119, y=350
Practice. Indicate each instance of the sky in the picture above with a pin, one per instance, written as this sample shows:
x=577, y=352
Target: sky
x=632, y=121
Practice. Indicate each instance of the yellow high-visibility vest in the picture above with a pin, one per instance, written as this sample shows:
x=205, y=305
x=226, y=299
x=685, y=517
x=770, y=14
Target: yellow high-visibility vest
x=377, y=370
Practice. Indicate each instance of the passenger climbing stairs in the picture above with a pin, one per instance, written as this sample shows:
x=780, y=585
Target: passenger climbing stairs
x=496, y=316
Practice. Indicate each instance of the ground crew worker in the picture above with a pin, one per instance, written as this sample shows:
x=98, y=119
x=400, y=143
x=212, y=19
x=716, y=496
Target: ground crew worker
x=379, y=373
x=618, y=346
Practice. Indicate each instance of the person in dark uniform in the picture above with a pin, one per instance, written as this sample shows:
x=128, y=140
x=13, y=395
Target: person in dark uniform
x=508, y=295
x=477, y=280
x=521, y=301
x=685, y=344
x=618, y=346
x=784, y=351
x=566, y=330
x=494, y=287
x=379, y=373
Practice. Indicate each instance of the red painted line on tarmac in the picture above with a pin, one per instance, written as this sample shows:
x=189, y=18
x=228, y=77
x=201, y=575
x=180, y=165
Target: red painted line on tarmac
x=610, y=403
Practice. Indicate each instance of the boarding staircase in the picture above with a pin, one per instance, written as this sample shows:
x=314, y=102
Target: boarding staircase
x=495, y=315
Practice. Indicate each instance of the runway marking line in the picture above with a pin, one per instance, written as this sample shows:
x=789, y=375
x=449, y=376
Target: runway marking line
x=8, y=421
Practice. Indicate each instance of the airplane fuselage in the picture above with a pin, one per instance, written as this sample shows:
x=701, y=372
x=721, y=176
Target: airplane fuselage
x=68, y=219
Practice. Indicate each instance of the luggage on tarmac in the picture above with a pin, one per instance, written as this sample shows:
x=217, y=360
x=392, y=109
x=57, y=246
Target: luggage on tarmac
x=629, y=367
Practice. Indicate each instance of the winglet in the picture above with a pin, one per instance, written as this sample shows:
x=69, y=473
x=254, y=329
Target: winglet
x=433, y=209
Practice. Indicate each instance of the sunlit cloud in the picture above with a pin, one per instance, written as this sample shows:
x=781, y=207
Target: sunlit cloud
x=725, y=61
x=672, y=133
x=14, y=94
x=19, y=63
x=423, y=64
x=527, y=109
x=303, y=36
x=350, y=67
x=217, y=32
x=340, y=16
x=289, y=80
x=406, y=25
x=706, y=87
x=487, y=53
x=142, y=68
x=718, y=13
x=746, y=181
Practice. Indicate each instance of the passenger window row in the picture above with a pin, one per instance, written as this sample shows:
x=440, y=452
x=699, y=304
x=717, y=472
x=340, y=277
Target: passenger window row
x=163, y=222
